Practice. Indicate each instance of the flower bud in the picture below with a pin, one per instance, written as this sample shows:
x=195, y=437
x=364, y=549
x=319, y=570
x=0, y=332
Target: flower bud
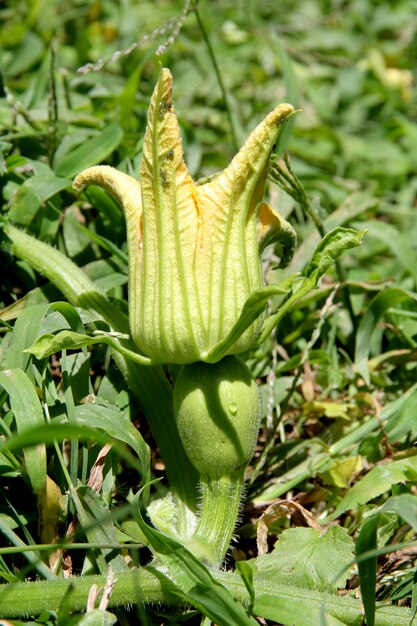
x=194, y=249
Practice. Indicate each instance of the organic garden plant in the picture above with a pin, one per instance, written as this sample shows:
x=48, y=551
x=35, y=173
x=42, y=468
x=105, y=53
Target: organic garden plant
x=180, y=380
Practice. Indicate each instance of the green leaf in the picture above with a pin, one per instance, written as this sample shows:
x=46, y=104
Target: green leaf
x=195, y=581
x=94, y=517
x=33, y=193
x=48, y=343
x=96, y=617
x=67, y=340
x=302, y=611
x=112, y=421
x=306, y=557
x=367, y=540
x=405, y=506
x=251, y=310
x=327, y=252
x=26, y=329
x=352, y=206
x=247, y=570
x=381, y=303
x=54, y=431
x=70, y=314
x=376, y=482
x=92, y=151
x=27, y=412
x=30, y=50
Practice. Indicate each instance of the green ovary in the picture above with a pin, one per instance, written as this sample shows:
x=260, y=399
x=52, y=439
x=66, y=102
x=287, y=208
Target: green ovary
x=217, y=408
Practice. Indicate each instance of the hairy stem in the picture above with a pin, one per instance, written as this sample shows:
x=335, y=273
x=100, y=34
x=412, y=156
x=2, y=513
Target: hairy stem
x=220, y=501
x=148, y=586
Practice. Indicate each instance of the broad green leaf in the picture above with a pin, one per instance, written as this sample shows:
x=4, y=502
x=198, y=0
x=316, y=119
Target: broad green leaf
x=333, y=410
x=26, y=55
x=381, y=303
x=376, y=482
x=96, y=617
x=92, y=151
x=195, y=581
x=48, y=343
x=327, y=252
x=306, y=557
x=341, y=471
x=27, y=411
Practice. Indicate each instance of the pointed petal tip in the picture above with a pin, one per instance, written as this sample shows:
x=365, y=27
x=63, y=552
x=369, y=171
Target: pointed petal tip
x=165, y=74
x=165, y=81
x=90, y=176
x=281, y=113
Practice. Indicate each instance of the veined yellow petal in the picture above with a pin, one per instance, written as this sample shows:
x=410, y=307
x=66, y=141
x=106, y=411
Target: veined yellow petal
x=127, y=192
x=170, y=314
x=229, y=230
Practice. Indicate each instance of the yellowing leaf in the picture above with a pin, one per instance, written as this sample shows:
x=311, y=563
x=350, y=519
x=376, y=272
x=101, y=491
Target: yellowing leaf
x=340, y=473
x=333, y=410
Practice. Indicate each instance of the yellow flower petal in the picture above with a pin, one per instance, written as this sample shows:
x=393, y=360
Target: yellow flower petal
x=170, y=311
x=194, y=250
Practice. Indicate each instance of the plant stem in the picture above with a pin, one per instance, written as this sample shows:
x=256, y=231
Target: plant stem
x=220, y=501
x=146, y=586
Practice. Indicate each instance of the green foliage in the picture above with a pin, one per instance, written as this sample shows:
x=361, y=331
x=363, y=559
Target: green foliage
x=79, y=419
x=307, y=557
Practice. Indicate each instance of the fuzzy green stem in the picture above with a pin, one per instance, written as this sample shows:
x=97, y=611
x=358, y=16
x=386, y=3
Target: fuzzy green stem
x=220, y=502
x=146, y=586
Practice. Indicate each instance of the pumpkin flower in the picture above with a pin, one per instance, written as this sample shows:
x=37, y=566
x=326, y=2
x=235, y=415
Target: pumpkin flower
x=194, y=248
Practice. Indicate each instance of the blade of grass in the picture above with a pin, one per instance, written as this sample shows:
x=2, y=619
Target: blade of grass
x=27, y=411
